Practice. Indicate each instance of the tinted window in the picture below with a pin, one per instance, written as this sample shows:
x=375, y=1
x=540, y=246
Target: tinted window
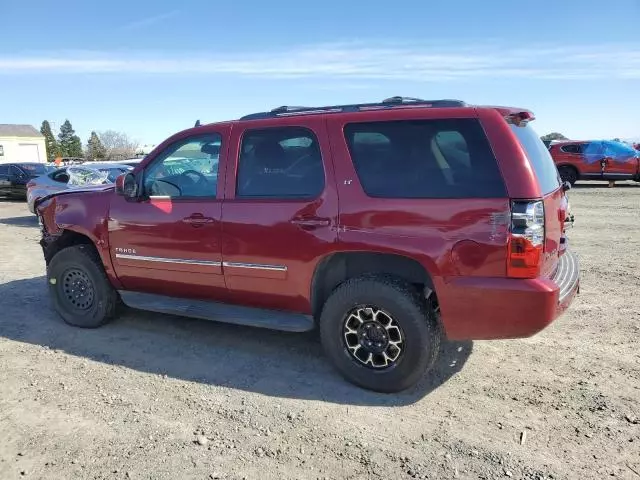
x=34, y=169
x=448, y=158
x=573, y=149
x=539, y=157
x=593, y=148
x=4, y=169
x=188, y=168
x=280, y=163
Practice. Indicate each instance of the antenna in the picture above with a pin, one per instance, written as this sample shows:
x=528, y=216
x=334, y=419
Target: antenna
x=197, y=123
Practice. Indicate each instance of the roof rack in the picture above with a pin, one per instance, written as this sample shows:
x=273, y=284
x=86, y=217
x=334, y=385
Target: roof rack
x=391, y=102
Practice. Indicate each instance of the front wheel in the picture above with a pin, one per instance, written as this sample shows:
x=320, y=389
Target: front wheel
x=79, y=288
x=379, y=333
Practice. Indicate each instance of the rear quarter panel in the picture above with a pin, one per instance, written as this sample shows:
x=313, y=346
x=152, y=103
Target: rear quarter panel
x=448, y=237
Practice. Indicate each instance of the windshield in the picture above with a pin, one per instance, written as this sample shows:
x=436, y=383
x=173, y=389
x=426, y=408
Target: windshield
x=112, y=173
x=539, y=157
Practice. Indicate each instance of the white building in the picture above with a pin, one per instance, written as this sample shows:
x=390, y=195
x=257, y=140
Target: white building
x=21, y=143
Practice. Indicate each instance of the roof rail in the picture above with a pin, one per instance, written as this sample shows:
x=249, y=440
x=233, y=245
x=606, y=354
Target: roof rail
x=391, y=102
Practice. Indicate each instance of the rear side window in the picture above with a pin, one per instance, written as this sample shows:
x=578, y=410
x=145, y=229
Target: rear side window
x=540, y=158
x=447, y=158
x=280, y=163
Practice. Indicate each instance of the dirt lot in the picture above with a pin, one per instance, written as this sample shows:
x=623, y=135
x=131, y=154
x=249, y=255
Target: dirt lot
x=159, y=397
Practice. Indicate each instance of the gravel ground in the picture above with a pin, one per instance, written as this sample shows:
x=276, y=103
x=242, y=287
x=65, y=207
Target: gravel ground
x=159, y=397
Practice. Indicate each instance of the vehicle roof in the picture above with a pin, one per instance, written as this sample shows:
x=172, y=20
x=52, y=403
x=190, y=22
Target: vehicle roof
x=387, y=105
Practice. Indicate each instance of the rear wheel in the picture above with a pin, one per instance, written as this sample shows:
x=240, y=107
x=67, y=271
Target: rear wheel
x=379, y=333
x=79, y=288
x=568, y=174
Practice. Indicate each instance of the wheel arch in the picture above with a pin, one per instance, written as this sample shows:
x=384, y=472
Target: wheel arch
x=570, y=166
x=64, y=239
x=337, y=267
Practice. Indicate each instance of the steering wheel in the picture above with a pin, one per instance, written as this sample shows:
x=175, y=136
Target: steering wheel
x=200, y=176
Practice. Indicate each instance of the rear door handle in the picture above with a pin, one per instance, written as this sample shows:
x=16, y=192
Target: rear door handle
x=310, y=223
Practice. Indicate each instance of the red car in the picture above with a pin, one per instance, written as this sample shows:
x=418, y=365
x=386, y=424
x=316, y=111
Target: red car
x=387, y=225
x=595, y=160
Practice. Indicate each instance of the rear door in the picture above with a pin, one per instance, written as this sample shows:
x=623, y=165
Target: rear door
x=19, y=179
x=169, y=241
x=280, y=211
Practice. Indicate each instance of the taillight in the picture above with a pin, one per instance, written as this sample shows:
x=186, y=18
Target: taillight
x=526, y=242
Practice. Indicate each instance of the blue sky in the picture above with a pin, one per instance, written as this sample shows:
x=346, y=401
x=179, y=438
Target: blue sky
x=153, y=68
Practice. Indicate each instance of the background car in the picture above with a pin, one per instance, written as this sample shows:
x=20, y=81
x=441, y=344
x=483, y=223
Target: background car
x=595, y=160
x=15, y=176
x=72, y=177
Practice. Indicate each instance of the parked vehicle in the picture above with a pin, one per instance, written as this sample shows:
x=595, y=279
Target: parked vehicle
x=386, y=225
x=596, y=160
x=15, y=176
x=72, y=177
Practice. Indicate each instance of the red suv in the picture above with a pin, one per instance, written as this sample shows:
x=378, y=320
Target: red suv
x=596, y=160
x=387, y=225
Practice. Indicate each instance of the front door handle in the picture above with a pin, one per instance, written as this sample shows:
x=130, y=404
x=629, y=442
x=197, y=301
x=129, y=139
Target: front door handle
x=310, y=223
x=198, y=220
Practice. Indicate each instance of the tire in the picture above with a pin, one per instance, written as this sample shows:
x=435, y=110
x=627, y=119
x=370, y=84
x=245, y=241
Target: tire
x=391, y=298
x=93, y=301
x=568, y=174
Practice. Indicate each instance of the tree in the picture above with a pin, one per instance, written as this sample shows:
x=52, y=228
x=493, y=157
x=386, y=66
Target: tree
x=553, y=136
x=49, y=141
x=69, y=143
x=95, y=148
x=118, y=145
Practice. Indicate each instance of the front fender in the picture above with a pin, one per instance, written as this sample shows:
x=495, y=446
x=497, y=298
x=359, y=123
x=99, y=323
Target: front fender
x=68, y=218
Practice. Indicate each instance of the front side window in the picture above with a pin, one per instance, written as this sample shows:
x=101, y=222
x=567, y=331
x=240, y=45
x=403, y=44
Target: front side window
x=446, y=158
x=188, y=168
x=282, y=162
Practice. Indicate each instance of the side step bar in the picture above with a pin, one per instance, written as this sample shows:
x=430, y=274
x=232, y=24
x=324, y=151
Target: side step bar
x=219, y=312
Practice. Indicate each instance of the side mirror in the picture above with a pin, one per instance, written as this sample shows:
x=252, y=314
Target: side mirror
x=566, y=186
x=127, y=186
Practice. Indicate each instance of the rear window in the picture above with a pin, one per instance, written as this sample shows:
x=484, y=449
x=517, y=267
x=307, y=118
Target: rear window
x=446, y=158
x=539, y=157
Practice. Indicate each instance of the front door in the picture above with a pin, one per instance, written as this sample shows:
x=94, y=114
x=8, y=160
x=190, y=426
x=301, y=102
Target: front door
x=280, y=212
x=168, y=242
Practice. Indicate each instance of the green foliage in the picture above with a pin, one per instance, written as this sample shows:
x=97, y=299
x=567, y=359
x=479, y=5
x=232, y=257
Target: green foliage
x=553, y=136
x=95, y=148
x=69, y=143
x=49, y=140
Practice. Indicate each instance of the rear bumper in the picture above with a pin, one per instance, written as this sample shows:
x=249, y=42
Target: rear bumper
x=493, y=308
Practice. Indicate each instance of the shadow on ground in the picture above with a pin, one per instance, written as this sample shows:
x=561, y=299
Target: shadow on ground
x=604, y=184
x=24, y=221
x=251, y=359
